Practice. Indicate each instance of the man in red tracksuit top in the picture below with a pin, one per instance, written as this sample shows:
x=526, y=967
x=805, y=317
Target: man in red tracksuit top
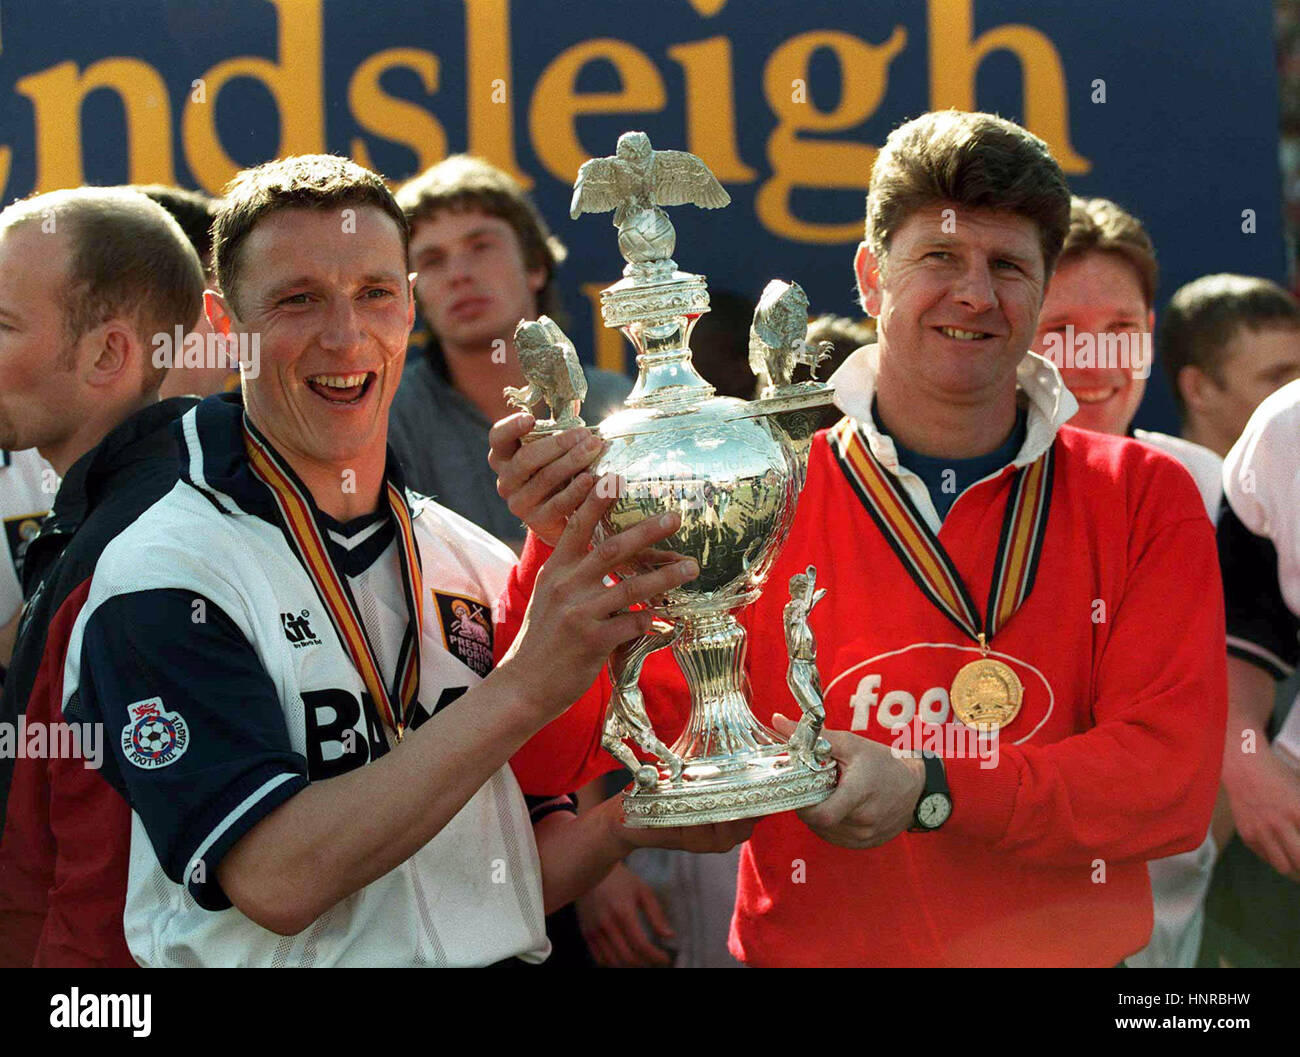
x=953, y=478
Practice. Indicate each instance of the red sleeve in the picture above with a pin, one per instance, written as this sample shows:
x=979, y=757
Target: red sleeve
x=67, y=840
x=1141, y=783
x=566, y=754
x=91, y=823
x=26, y=862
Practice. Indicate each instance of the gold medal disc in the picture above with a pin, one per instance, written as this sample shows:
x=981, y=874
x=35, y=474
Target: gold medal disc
x=986, y=694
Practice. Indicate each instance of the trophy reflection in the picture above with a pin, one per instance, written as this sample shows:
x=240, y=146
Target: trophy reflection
x=732, y=469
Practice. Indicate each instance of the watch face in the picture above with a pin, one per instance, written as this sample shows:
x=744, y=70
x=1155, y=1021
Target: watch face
x=933, y=811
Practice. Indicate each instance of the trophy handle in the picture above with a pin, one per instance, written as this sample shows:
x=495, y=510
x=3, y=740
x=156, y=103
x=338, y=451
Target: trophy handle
x=626, y=716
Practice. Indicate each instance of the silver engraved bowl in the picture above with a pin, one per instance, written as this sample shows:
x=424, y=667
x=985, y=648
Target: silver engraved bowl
x=731, y=479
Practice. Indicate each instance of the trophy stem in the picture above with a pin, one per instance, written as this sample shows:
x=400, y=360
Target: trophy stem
x=711, y=654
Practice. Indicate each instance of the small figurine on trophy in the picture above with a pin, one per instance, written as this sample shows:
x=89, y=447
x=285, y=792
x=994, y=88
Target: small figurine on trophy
x=550, y=364
x=802, y=676
x=626, y=716
x=777, y=338
x=634, y=183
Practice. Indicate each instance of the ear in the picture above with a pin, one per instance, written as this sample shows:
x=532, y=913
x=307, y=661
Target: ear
x=867, y=269
x=536, y=280
x=1151, y=320
x=218, y=311
x=1195, y=386
x=410, y=299
x=109, y=353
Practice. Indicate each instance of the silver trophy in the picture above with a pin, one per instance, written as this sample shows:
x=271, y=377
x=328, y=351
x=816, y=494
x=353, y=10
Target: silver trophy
x=732, y=468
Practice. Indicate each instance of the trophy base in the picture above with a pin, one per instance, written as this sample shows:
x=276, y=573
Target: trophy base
x=760, y=785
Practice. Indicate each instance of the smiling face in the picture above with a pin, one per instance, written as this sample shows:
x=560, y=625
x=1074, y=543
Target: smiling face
x=471, y=280
x=1098, y=293
x=956, y=303
x=332, y=311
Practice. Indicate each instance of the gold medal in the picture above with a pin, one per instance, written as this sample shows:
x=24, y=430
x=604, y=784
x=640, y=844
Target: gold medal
x=986, y=694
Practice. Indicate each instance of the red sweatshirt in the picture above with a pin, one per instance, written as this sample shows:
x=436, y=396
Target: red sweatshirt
x=1113, y=758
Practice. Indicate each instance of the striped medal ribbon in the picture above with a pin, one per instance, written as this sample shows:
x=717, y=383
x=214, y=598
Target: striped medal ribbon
x=986, y=694
x=304, y=534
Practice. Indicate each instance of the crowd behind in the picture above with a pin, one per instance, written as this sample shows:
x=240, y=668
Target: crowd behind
x=483, y=259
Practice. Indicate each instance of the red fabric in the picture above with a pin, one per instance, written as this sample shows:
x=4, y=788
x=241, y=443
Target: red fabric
x=66, y=843
x=1113, y=759
x=565, y=755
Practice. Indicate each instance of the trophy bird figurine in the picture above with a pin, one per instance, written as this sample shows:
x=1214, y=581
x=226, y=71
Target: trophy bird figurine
x=634, y=183
x=550, y=364
x=778, y=337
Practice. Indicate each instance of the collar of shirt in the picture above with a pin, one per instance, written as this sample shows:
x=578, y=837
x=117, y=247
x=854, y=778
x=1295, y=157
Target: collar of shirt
x=90, y=474
x=1048, y=401
x=214, y=460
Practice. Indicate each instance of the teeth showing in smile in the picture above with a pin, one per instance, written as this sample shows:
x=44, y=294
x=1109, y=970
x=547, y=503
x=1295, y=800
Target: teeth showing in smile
x=963, y=335
x=338, y=381
x=1094, y=395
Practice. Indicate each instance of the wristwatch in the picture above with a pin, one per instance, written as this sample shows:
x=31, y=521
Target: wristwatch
x=935, y=804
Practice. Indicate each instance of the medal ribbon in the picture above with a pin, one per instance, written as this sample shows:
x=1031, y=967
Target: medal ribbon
x=308, y=542
x=1024, y=525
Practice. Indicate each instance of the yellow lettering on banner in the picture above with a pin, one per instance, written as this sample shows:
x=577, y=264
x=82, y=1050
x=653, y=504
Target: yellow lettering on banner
x=57, y=95
x=295, y=82
x=796, y=162
x=609, y=344
x=487, y=59
x=711, y=107
x=397, y=120
x=556, y=105
x=955, y=58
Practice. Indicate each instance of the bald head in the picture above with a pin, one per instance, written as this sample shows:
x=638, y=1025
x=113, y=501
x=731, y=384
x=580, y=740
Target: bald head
x=124, y=257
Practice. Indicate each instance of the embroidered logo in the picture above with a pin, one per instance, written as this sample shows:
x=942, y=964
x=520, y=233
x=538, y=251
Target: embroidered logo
x=466, y=630
x=297, y=630
x=153, y=737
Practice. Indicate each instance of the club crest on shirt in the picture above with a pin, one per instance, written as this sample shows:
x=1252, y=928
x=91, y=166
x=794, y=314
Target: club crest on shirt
x=153, y=737
x=466, y=630
x=20, y=531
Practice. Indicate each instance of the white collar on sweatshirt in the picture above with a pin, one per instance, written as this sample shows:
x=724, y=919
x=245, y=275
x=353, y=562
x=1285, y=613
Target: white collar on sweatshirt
x=1049, y=401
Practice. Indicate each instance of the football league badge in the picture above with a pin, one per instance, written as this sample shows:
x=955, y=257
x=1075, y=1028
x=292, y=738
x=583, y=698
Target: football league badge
x=153, y=737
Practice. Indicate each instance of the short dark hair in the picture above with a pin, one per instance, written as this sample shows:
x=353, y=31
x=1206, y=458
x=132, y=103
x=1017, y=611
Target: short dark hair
x=1204, y=314
x=126, y=257
x=975, y=160
x=194, y=211
x=463, y=183
x=307, y=181
x=1098, y=225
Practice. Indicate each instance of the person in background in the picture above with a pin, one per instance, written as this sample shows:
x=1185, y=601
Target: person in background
x=1097, y=323
x=484, y=260
x=1253, y=910
x=1104, y=289
x=87, y=278
x=27, y=485
x=1226, y=342
x=194, y=212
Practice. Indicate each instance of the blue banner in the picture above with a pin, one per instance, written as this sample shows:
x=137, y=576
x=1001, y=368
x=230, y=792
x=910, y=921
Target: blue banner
x=1168, y=108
